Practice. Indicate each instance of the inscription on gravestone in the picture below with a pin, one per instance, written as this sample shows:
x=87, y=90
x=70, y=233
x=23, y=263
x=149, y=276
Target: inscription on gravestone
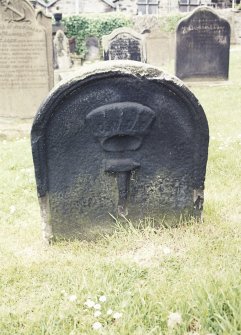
x=121, y=139
x=203, y=43
x=124, y=44
x=23, y=60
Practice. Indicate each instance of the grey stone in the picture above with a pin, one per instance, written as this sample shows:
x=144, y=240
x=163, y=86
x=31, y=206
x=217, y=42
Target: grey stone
x=203, y=43
x=24, y=65
x=124, y=44
x=120, y=139
x=93, y=49
x=159, y=47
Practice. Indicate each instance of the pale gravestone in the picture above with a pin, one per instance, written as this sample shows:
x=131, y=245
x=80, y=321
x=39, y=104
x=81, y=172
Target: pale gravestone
x=159, y=47
x=119, y=139
x=24, y=69
x=124, y=44
x=203, y=43
x=46, y=22
x=61, y=51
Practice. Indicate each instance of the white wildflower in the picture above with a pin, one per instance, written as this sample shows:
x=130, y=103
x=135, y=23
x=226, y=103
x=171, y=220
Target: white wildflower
x=117, y=315
x=97, y=306
x=174, y=319
x=102, y=298
x=72, y=298
x=89, y=303
x=97, y=314
x=12, y=209
x=166, y=251
x=97, y=326
x=109, y=312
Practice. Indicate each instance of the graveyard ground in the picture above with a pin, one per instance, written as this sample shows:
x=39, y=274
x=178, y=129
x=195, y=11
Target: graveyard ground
x=146, y=274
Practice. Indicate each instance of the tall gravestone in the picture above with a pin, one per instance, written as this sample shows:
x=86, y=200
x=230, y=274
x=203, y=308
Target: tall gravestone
x=202, y=49
x=62, y=59
x=119, y=139
x=124, y=44
x=45, y=21
x=24, y=74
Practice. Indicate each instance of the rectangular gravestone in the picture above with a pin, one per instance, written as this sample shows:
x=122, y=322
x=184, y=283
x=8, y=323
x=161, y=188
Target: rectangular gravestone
x=124, y=44
x=24, y=69
x=159, y=47
x=202, y=49
x=120, y=139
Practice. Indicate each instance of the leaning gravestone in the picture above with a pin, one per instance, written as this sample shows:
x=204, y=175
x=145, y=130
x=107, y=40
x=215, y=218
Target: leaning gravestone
x=119, y=139
x=24, y=75
x=124, y=44
x=203, y=42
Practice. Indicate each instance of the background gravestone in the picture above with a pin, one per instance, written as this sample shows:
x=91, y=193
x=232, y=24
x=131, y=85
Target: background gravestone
x=119, y=139
x=125, y=44
x=93, y=49
x=24, y=66
x=203, y=42
x=159, y=47
x=61, y=51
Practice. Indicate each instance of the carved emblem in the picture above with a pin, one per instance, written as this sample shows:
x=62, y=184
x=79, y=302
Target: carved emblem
x=121, y=127
x=16, y=15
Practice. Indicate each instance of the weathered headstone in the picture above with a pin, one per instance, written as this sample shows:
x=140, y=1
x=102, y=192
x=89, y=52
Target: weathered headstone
x=124, y=44
x=203, y=43
x=159, y=47
x=24, y=75
x=61, y=51
x=93, y=49
x=119, y=139
x=46, y=22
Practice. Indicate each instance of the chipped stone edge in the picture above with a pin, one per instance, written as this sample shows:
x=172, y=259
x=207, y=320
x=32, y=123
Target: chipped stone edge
x=126, y=66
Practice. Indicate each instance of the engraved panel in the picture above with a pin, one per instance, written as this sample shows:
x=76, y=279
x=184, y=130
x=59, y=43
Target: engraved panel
x=124, y=43
x=23, y=60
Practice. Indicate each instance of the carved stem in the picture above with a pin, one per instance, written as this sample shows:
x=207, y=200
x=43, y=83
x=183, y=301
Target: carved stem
x=123, y=180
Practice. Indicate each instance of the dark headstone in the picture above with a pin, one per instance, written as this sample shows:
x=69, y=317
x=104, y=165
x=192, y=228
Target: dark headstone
x=203, y=42
x=119, y=139
x=124, y=44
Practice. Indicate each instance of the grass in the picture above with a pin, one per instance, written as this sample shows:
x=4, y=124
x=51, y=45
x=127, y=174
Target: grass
x=145, y=273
